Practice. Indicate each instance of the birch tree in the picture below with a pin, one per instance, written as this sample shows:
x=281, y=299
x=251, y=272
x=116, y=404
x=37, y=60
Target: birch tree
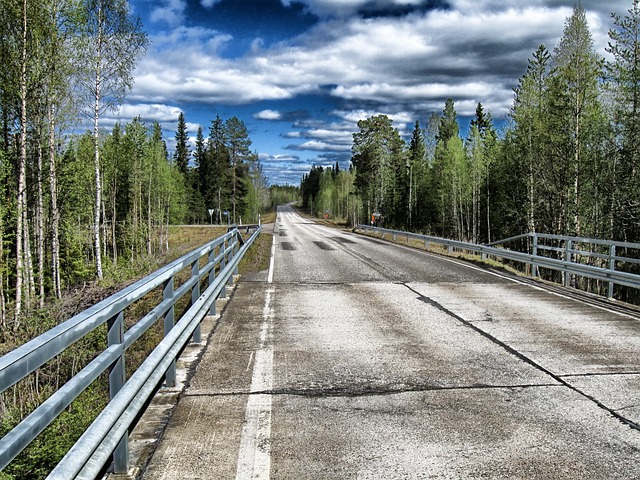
x=112, y=42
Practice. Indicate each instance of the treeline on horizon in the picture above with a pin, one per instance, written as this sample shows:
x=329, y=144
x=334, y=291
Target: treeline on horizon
x=567, y=162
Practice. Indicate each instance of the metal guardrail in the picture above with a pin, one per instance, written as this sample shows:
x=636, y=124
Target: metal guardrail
x=108, y=434
x=568, y=264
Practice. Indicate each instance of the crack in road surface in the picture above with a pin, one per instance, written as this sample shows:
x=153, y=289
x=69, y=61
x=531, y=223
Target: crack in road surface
x=524, y=358
x=366, y=390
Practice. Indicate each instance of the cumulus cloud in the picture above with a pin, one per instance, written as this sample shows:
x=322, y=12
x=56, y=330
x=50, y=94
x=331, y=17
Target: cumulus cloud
x=268, y=115
x=150, y=112
x=401, y=58
x=417, y=59
x=318, y=145
x=170, y=12
x=165, y=115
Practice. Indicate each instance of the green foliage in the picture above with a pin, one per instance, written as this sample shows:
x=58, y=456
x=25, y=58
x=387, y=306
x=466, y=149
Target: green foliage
x=623, y=84
x=283, y=194
x=567, y=163
x=378, y=158
x=46, y=451
x=182, y=148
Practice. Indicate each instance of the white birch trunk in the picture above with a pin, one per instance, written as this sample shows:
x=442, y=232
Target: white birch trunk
x=55, y=213
x=22, y=169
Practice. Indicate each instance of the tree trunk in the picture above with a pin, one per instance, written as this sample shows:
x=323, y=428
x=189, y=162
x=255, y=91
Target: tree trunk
x=3, y=317
x=40, y=226
x=96, y=151
x=22, y=169
x=55, y=213
x=149, y=216
x=28, y=280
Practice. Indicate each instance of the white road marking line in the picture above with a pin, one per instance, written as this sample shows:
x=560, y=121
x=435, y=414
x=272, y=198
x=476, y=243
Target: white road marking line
x=254, y=455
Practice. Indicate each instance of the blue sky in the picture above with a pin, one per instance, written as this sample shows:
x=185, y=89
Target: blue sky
x=300, y=74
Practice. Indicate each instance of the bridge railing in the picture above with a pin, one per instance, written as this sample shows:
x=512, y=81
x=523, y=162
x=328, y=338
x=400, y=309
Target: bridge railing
x=572, y=256
x=213, y=264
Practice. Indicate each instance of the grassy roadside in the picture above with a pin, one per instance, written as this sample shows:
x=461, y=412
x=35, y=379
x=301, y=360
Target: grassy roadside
x=47, y=449
x=257, y=257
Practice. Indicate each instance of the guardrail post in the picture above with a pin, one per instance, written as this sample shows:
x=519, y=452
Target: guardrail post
x=230, y=251
x=567, y=258
x=167, y=293
x=612, y=267
x=235, y=251
x=212, y=277
x=115, y=336
x=195, y=294
x=534, y=253
x=223, y=263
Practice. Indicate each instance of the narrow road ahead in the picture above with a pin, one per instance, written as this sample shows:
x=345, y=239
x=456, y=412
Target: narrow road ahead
x=353, y=358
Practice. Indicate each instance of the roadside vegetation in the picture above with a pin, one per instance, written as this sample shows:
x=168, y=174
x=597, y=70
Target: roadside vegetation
x=16, y=403
x=565, y=162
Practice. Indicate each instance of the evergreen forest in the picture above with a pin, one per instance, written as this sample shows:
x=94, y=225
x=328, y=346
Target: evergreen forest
x=567, y=161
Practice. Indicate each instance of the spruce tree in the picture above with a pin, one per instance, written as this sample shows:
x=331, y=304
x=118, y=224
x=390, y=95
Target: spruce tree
x=182, y=153
x=449, y=127
x=576, y=110
x=237, y=142
x=214, y=173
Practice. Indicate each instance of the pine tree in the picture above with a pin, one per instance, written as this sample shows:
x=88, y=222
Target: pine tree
x=182, y=153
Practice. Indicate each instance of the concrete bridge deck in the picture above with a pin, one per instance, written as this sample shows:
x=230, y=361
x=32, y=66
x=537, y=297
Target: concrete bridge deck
x=352, y=358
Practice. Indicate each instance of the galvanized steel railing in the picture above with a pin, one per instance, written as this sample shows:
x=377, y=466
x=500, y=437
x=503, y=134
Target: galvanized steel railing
x=569, y=250
x=108, y=434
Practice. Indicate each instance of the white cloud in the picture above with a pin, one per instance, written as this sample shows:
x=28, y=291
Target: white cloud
x=317, y=145
x=150, y=112
x=171, y=12
x=268, y=115
x=473, y=52
x=208, y=3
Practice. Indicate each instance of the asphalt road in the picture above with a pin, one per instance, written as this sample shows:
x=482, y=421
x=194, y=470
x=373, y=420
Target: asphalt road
x=354, y=358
